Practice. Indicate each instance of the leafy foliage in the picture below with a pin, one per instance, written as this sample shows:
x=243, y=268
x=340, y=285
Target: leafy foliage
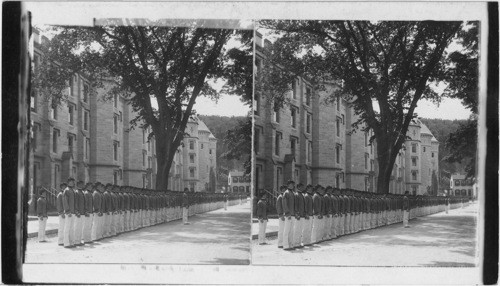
x=392, y=64
x=172, y=63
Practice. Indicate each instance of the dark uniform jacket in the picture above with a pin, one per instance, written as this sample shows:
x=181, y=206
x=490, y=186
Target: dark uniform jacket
x=289, y=203
x=299, y=205
x=59, y=203
x=279, y=206
x=308, y=205
x=41, y=207
x=185, y=202
x=325, y=205
x=262, y=210
x=69, y=201
x=88, y=202
x=79, y=202
x=96, y=201
x=317, y=204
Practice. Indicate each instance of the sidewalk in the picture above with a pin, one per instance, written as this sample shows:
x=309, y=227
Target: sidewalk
x=273, y=226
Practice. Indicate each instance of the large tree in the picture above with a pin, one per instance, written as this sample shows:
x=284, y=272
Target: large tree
x=170, y=62
x=391, y=64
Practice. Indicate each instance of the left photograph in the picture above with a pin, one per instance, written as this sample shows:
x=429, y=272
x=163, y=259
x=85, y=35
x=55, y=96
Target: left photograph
x=140, y=142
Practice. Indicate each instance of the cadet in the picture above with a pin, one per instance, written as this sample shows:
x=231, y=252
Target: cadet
x=289, y=210
x=107, y=211
x=342, y=212
x=262, y=216
x=281, y=215
x=96, y=204
x=88, y=212
x=79, y=212
x=185, y=206
x=299, y=216
x=317, y=215
x=406, y=209
x=60, y=212
x=334, y=207
x=308, y=216
x=41, y=212
x=69, y=212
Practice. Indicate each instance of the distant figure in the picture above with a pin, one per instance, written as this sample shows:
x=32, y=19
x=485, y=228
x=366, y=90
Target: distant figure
x=447, y=204
x=406, y=210
x=41, y=210
x=185, y=206
x=262, y=215
x=281, y=216
x=60, y=212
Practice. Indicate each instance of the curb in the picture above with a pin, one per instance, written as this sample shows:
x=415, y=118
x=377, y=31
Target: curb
x=47, y=232
x=268, y=234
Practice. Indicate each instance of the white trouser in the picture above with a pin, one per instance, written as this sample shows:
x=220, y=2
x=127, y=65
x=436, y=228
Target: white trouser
x=42, y=223
x=406, y=215
x=60, y=231
x=78, y=229
x=185, y=215
x=69, y=230
x=297, y=232
x=288, y=233
x=315, y=229
x=335, y=222
x=281, y=228
x=262, y=231
x=306, y=231
x=87, y=228
x=95, y=227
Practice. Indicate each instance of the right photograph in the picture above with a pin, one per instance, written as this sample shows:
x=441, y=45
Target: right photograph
x=365, y=143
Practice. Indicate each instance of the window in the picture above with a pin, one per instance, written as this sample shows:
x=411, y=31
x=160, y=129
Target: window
x=201, y=146
x=256, y=140
x=367, y=156
x=423, y=149
x=71, y=139
x=115, y=100
x=293, y=143
x=56, y=176
x=371, y=165
x=366, y=138
x=256, y=104
x=191, y=145
x=338, y=103
x=294, y=89
x=414, y=148
x=276, y=115
x=337, y=181
x=86, y=93
x=457, y=182
x=87, y=147
x=414, y=161
x=115, y=150
x=55, y=135
x=414, y=189
x=115, y=177
x=308, y=96
x=338, y=126
x=210, y=151
x=36, y=130
x=149, y=162
x=144, y=136
x=414, y=175
x=296, y=175
x=191, y=172
x=53, y=111
x=115, y=124
x=86, y=120
x=309, y=151
x=277, y=140
x=308, y=123
x=34, y=100
x=191, y=158
x=279, y=179
x=337, y=153
x=293, y=111
x=149, y=145
x=120, y=116
x=367, y=182
x=72, y=86
x=432, y=154
x=71, y=113
x=144, y=158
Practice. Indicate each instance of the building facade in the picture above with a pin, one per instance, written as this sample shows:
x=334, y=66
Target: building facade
x=238, y=182
x=310, y=140
x=460, y=186
x=90, y=139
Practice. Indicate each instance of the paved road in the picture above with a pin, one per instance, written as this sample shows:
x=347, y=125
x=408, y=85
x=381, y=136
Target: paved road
x=217, y=237
x=443, y=240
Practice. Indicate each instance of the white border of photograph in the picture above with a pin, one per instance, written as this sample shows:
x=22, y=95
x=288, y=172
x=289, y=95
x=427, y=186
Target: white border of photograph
x=83, y=13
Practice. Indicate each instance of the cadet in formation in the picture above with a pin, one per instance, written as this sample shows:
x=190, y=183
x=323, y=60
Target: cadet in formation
x=309, y=214
x=94, y=211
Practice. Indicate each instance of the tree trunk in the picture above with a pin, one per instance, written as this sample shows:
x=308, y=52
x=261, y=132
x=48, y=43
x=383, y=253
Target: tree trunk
x=165, y=151
x=386, y=158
